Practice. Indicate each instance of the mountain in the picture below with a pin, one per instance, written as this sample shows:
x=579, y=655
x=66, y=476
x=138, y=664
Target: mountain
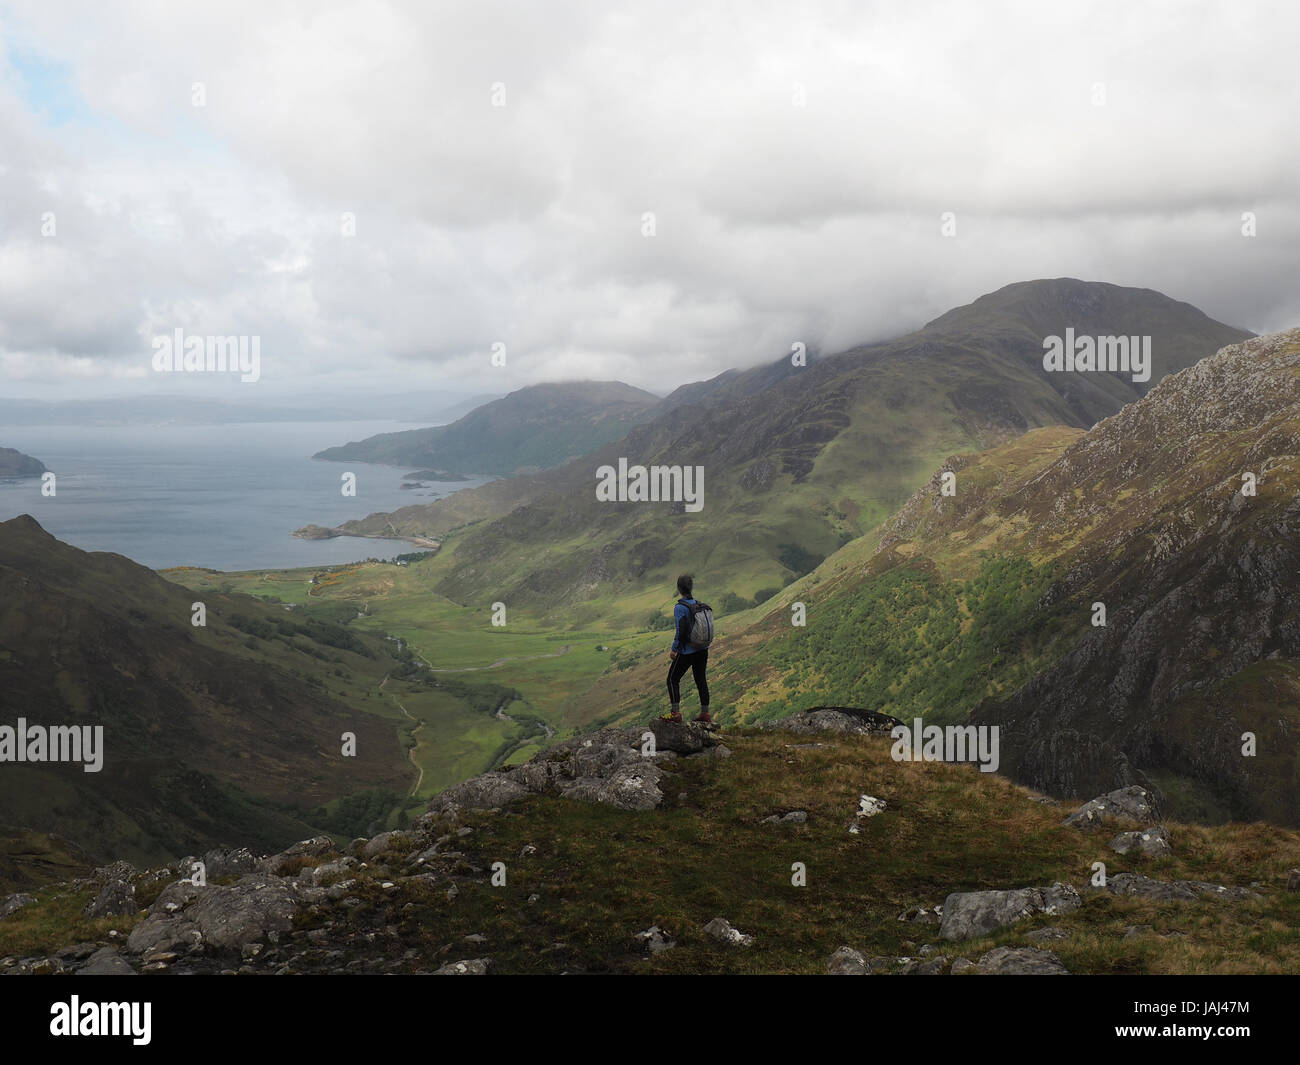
x=229, y=731
x=983, y=606
x=798, y=460
x=14, y=463
x=531, y=429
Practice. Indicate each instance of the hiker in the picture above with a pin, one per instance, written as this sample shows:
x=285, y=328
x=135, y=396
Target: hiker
x=692, y=634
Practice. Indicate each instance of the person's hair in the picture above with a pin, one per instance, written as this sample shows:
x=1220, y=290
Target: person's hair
x=685, y=583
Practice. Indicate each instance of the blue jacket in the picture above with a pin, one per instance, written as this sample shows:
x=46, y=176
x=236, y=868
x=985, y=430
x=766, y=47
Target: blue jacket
x=682, y=627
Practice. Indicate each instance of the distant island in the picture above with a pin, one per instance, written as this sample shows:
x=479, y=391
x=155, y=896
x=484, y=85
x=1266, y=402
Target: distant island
x=433, y=475
x=14, y=463
x=319, y=532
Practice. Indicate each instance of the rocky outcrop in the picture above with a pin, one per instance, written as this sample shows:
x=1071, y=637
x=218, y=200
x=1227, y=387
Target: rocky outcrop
x=974, y=913
x=848, y=719
x=1143, y=887
x=1124, y=804
x=115, y=899
x=621, y=767
x=186, y=917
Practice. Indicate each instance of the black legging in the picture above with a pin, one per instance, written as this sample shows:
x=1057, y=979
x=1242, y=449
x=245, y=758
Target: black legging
x=697, y=662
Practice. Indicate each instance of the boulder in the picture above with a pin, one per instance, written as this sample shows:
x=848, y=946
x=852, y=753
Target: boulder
x=396, y=840
x=316, y=847
x=1021, y=961
x=115, y=899
x=1151, y=842
x=684, y=737
x=223, y=862
x=106, y=962
x=630, y=787
x=1124, y=804
x=244, y=912
x=847, y=962
x=159, y=933
x=14, y=903
x=720, y=929
x=482, y=793
x=974, y=913
x=222, y=918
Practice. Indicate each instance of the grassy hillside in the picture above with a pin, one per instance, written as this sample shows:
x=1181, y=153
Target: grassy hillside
x=230, y=731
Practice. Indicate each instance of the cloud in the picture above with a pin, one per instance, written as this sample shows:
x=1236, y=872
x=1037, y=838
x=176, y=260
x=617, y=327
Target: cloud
x=796, y=159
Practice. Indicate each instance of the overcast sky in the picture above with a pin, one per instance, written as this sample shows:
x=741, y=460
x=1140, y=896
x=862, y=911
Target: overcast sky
x=797, y=158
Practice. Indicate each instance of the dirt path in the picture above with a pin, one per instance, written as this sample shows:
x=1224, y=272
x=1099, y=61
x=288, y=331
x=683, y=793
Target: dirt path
x=414, y=732
x=500, y=661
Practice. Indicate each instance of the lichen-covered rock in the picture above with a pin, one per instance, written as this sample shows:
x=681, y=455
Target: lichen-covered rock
x=1151, y=842
x=972, y=913
x=720, y=929
x=115, y=899
x=316, y=847
x=482, y=793
x=1125, y=804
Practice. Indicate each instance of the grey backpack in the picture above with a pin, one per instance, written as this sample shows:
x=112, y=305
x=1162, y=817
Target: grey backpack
x=699, y=624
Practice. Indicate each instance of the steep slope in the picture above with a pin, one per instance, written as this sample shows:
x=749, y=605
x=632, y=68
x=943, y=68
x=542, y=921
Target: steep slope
x=531, y=429
x=983, y=603
x=798, y=460
x=212, y=733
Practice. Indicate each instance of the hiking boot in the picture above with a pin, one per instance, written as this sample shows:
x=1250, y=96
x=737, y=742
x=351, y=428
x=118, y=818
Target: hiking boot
x=675, y=716
x=704, y=718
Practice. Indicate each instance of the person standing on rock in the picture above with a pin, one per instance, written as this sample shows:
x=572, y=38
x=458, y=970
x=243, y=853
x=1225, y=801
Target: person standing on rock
x=692, y=634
